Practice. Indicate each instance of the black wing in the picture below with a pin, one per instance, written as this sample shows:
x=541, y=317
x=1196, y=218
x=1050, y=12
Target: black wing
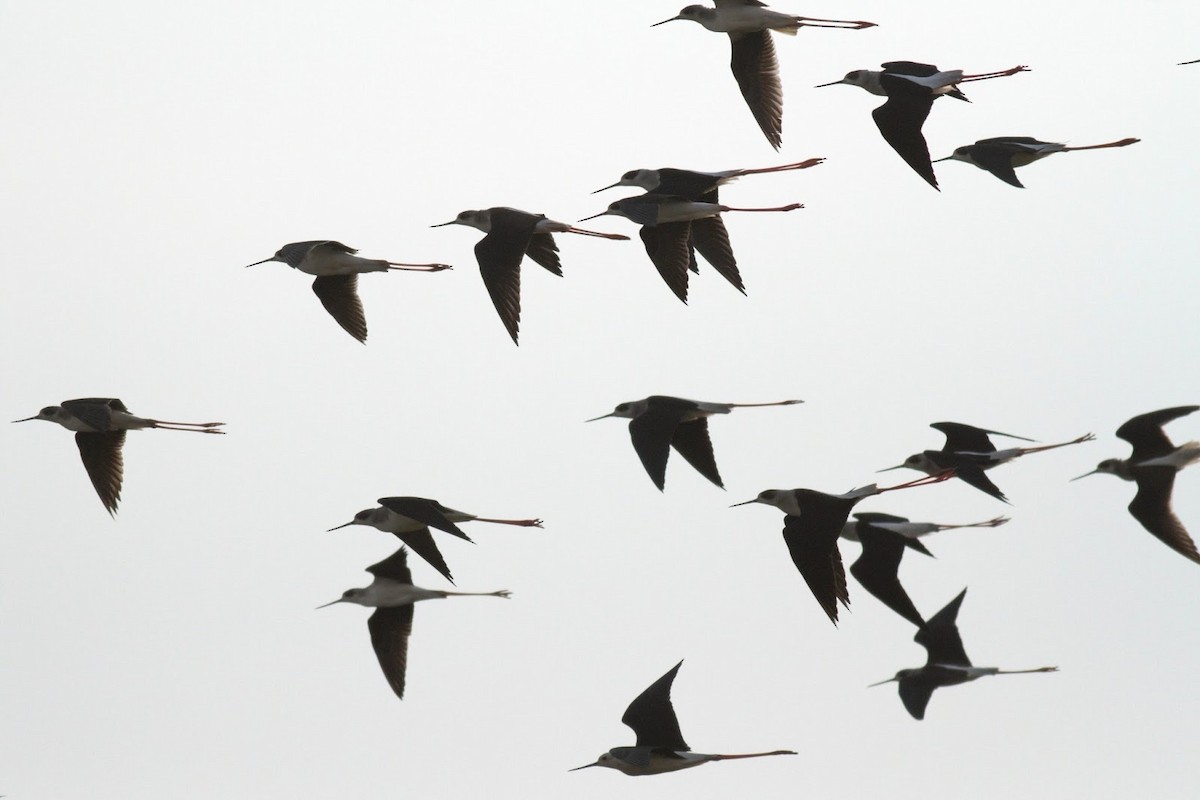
x=939, y=636
x=101, y=454
x=967, y=469
x=875, y=516
x=544, y=252
x=422, y=544
x=688, y=185
x=757, y=71
x=95, y=412
x=712, y=240
x=1145, y=432
x=653, y=718
x=339, y=295
x=819, y=561
x=877, y=569
x=915, y=693
x=962, y=438
x=393, y=568
x=998, y=160
x=652, y=432
x=900, y=119
x=691, y=441
x=1151, y=507
x=390, y=629
x=499, y=255
x=667, y=246
x=423, y=510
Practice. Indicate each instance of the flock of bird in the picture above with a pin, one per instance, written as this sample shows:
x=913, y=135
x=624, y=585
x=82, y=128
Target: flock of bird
x=679, y=215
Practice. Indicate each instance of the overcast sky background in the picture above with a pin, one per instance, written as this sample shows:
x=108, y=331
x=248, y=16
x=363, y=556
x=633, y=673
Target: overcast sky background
x=151, y=150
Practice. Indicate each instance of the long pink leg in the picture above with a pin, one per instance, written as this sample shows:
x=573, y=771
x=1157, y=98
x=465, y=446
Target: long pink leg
x=418, y=267
x=525, y=523
x=928, y=479
x=812, y=162
x=1087, y=437
x=1121, y=143
x=813, y=22
x=790, y=207
x=755, y=755
x=759, y=405
x=582, y=232
x=983, y=76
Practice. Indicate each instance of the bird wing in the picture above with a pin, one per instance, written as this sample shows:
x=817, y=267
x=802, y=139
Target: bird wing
x=819, y=561
x=667, y=246
x=914, y=68
x=900, y=119
x=544, y=252
x=1144, y=432
x=691, y=441
x=499, y=255
x=393, y=568
x=998, y=160
x=422, y=544
x=756, y=69
x=423, y=510
x=967, y=469
x=390, y=629
x=687, y=184
x=101, y=454
x=95, y=412
x=712, y=240
x=877, y=569
x=339, y=295
x=652, y=432
x=915, y=693
x=652, y=717
x=1151, y=507
x=962, y=438
x=939, y=636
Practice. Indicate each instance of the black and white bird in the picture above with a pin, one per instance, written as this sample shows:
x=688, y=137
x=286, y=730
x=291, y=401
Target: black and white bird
x=947, y=664
x=660, y=746
x=660, y=422
x=100, y=424
x=1003, y=154
x=673, y=227
x=707, y=234
x=511, y=235
x=811, y=528
x=410, y=518
x=749, y=24
x=906, y=527
x=910, y=89
x=392, y=595
x=1152, y=465
x=337, y=269
x=969, y=451
x=878, y=568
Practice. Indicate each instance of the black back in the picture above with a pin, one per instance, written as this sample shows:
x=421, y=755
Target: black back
x=877, y=569
x=939, y=636
x=900, y=119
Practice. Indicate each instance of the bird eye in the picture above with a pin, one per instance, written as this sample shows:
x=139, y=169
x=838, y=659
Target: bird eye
x=769, y=494
x=912, y=460
x=362, y=515
x=623, y=407
x=628, y=176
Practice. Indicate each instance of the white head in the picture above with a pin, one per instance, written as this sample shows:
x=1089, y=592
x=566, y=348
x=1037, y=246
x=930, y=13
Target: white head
x=694, y=13
x=368, y=516
x=477, y=218
x=628, y=410
x=647, y=179
x=865, y=78
x=50, y=414
x=358, y=596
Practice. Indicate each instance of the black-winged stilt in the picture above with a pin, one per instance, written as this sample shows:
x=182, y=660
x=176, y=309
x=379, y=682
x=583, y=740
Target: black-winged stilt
x=659, y=423
x=1003, y=154
x=660, y=746
x=969, y=451
x=511, y=235
x=910, y=89
x=337, y=269
x=673, y=226
x=811, y=528
x=749, y=24
x=100, y=424
x=1153, y=465
x=947, y=664
x=392, y=595
x=410, y=518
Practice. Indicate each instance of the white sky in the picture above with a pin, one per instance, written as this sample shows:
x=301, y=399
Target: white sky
x=150, y=150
